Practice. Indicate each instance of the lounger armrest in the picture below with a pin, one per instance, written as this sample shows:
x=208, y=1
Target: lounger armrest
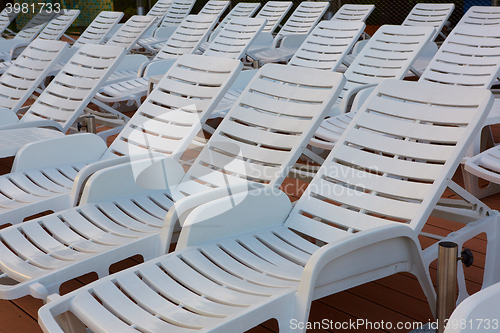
x=8, y=117
x=359, y=258
x=348, y=98
x=293, y=40
x=235, y=214
x=159, y=67
x=133, y=178
x=74, y=148
x=182, y=208
x=36, y=123
x=132, y=62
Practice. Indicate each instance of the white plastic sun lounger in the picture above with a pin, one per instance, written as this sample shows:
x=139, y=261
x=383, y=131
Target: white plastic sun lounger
x=53, y=30
x=236, y=268
x=299, y=25
x=116, y=219
x=164, y=32
x=232, y=42
x=290, y=45
x=242, y=9
x=466, y=58
x=25, y=74
x=324, y=48
x=95, y=33
x=63, y=101
x=47, y=182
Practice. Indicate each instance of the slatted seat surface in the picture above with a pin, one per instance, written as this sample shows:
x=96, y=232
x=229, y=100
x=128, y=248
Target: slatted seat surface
x=245, y=279
x=350, y=12
x=187, y=37
x=262, y=129
x=481, y=15
x=34, y=26
x=99, y=233
x=176, y=14
x=159, y=9
x=131, y=31
x=324, y=48
x=274, y=12
x=28, y=71
x=231, y=42
x=468, y=57
x=242, y=9
x=214, y=7
x=73, y=87
x=170, y=113
x=304, y=18
x=327, y=44
x=26, y=35
x=235, y=38
x=169, y=132
x=185, y=40
x=99, y=28
x=433, y=14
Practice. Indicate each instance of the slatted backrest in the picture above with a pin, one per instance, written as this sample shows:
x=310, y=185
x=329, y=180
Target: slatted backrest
x=470, y=56
x=188, y=36
x=99, y=28
x=59, y=24
x=266, y=130
x=481, y=15
x=394, y=161
x=34, y=26
x=304, y=18
x=177, y=12
x=214, y=7
x=387, y=55
x=131, y=31
x=160, y=8
x=71, y=90
x=433, y=14
x=28, y=70
x=173, y=112
x=6, y=18
x=353, y=13
x=274, y=12
x=327, y=45
x=242, y=9
x=233, y=41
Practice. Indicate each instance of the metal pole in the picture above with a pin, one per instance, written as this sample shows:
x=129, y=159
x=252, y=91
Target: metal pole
x=447, y=282
x=90, y=122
